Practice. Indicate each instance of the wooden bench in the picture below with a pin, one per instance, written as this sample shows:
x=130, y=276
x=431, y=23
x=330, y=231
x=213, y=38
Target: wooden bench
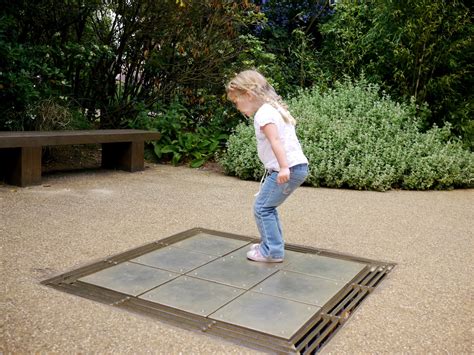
x=20, y=152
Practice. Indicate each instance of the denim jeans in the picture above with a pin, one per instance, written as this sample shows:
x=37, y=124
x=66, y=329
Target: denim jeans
x=270, y=197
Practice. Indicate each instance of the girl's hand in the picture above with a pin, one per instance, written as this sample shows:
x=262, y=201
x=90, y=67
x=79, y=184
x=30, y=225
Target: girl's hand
x=283, y=176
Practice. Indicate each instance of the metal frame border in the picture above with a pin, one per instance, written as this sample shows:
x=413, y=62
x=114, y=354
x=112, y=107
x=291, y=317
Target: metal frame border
x=310, y=338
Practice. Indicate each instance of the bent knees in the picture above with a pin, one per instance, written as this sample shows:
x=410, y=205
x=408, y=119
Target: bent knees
x=260, y=210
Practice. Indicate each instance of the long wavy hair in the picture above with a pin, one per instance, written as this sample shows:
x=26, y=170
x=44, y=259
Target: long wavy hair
x=254, y=82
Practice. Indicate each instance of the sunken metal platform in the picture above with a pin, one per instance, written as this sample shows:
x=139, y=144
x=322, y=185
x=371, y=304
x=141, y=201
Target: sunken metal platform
x=200, y=279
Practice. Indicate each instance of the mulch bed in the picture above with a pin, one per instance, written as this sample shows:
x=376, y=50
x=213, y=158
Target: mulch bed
x=71, y=157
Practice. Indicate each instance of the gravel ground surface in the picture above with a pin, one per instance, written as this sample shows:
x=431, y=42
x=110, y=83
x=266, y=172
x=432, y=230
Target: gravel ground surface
x=425, y=305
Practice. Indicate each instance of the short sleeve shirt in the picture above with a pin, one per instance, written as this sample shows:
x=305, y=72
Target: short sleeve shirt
x=294, y=154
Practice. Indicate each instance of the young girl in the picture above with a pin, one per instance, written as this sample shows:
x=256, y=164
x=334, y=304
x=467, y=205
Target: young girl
x=280, y=152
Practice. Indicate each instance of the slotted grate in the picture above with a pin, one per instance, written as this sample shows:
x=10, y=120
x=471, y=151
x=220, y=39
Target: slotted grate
x=314, y=291
x=335, y=313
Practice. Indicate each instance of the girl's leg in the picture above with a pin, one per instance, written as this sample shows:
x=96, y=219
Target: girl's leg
x=271, y=196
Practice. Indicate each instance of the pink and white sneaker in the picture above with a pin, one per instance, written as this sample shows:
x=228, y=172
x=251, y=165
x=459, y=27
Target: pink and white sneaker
x=255, y=255
x=254, y=246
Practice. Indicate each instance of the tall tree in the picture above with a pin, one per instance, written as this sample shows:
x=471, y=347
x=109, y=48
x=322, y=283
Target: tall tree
x=112, y=58
x=421, y=49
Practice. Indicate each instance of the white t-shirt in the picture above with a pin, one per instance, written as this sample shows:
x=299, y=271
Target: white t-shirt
x=294, y=154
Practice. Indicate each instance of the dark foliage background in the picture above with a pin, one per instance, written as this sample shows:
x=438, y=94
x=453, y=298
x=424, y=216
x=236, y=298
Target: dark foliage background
x=162, y=65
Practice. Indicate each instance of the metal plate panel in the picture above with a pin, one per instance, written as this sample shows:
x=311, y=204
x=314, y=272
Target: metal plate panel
x=273, y=307
x=300, y=287
x=267, y=314
x=236, y=270
x=193, y=295
x=129, y=278
x=210, y=244
x=174, y=259
x=325, y=267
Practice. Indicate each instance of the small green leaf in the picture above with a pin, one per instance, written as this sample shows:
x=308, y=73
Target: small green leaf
x=197, y=163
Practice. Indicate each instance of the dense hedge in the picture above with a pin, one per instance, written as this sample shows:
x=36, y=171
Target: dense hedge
x=357, y=137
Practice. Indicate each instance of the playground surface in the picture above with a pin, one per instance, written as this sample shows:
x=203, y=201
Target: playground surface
x=73, y=219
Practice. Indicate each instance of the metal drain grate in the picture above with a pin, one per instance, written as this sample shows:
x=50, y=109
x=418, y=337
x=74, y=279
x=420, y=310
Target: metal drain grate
x=335, y=313
x=201, y=280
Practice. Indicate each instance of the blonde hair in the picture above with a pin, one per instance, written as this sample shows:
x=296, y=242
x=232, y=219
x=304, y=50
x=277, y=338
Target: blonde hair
x=254, y=82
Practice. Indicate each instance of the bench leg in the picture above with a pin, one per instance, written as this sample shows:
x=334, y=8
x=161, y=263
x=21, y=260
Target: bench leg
x=21, y=166
x=124, y=156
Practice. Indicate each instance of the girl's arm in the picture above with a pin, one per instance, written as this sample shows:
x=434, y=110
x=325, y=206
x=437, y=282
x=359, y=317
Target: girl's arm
x=271, y=132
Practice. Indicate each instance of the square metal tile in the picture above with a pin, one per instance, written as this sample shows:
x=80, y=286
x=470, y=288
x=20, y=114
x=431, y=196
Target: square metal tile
x=236, y=270
x=201, y=279
x=132, y=279
x=268, y=314
x=193, y=295
x=299, y=287
x=210, y=244
x=174, y=259
x=325, y=267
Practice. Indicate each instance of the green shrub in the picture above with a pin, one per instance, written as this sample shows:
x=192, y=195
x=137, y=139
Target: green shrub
x=184, y=139
x=240, y=158
x=419, y=48
x=356, y=137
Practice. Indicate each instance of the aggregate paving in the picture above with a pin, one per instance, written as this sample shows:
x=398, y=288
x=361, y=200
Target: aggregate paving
x=425, y=304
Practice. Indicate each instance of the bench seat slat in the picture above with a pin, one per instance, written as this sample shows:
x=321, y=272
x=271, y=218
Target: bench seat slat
x=38, y=138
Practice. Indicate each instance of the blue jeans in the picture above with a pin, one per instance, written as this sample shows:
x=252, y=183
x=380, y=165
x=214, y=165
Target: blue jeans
x=270, y=197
